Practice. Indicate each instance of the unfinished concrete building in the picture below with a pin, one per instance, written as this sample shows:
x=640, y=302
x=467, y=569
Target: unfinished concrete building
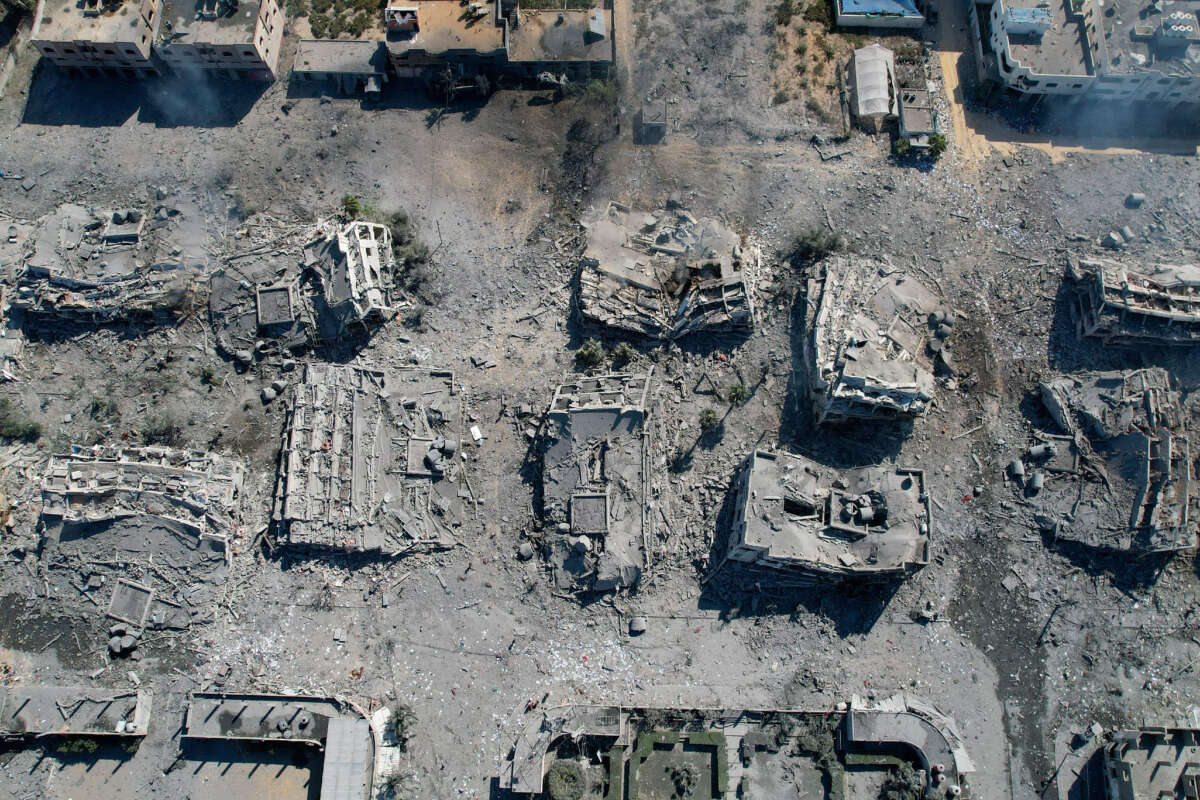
x=194, y=493
x=223, y=37
x=95, y=267
x=343, y=735
x=736, y=752
x=354, y=67
x=793, y=514
x=665, y=274
x=873, y=337
x=355, y=265
x=371, y=462
x=1126, y=480
x=596, y=481
x=100, y=37
x=1155, y=306
x=1153, y=763
x=31, y=711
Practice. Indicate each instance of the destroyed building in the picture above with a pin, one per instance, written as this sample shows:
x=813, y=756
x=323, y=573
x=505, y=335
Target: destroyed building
x=34, y=711
x=149, y=528
x=1121, y=478
x=793, y=514
x=1155, y=306
x=355, y=266
x=737, y=752
x=343, y=285
x=665, y=274
x=371, y=462
x=198, y=493
x=93, y=267
x=596, y=481
x=100, y=37
x=1153, y=762
x=229, y=38
x=343, y=735
x=873, y=338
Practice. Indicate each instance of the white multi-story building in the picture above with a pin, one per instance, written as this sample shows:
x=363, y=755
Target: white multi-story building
x=1116, y=49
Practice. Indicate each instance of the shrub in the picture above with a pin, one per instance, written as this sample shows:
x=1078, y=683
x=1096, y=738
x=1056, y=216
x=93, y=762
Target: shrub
x=709, y=421
x=784, y=13
x=819, y=11
x=814, y=244
x=208, y=376
x=937, y=145
x=590, y=353
x=15, y=425
x=564, y=781
x=162, y=430
x=355, y=207
x=685, y=778
x=599, y=91
x=401, y=723
x=900, y=147
x=781, y=97
x=737, y=394
x=622, y=354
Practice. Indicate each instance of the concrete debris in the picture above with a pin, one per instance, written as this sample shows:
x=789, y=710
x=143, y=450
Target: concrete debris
x=596, y=481
x=92, y=267
x=793, y=514
x=1121, y=306
x=371, y=461
x=868, y=334
x=1128, y=450
x=194, y=493
x=665, y=275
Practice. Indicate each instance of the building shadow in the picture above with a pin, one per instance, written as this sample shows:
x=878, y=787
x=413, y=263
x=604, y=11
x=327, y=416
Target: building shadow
x=198, y=100
x=218, y=758
x=56, y=98
x=1127, y=571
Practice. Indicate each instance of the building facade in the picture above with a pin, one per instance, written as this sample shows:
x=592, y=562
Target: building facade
x=1082, y=48
x=226, y=37
x=96, y=38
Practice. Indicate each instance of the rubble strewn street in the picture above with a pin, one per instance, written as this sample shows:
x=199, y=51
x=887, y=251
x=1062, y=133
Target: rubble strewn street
x=602, y=399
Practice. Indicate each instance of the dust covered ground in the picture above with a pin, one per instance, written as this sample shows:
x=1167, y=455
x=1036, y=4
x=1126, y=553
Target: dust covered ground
x=470, y=636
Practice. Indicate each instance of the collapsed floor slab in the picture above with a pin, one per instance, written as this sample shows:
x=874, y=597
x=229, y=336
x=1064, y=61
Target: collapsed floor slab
x=665, y=274
x=596, y=481
x=793, y=514
x=73, y=710
x=1161, y=761
x=1154, y=305
x=371, y=461
x=872, y=337
x=1128, y=483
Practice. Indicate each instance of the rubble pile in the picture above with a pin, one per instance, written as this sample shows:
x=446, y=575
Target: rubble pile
x=872, y=339
x=354, y=265
x=95, y=267
x=371, y=461
x=665, y=274
x=596, y=481
x=794, y=514
x=1121, y=478
x=1121, y=306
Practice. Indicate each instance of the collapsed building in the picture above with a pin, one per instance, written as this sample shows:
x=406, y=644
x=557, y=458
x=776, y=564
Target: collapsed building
x=629, y=751
x=1160, y=306
x=1121, y=478
x=344, y=284
x=1153, y=762
x=93, y=267
x=792, y=514
x=342, y=734
x=371, y=462
x=595, y=448
x=29, y=711
x=665, y=275
x=872, y=340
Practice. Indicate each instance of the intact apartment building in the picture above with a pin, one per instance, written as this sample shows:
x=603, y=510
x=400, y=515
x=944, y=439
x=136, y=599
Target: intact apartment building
x=96, y=38
x=227, y=37
x=1120, y=50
